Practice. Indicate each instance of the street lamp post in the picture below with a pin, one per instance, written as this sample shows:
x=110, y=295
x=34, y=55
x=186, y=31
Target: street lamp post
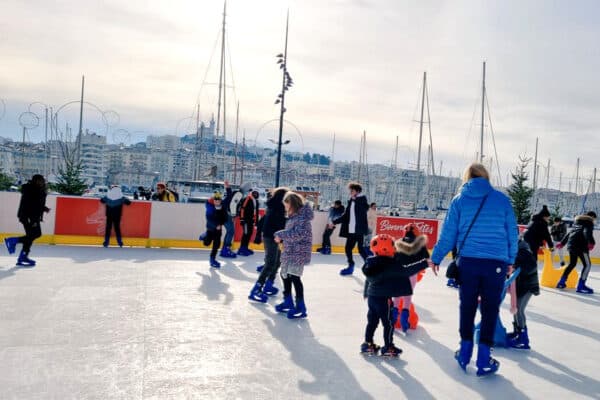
x=285, y=85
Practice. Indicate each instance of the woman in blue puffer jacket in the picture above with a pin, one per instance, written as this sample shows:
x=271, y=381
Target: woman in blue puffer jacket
x=484, y=259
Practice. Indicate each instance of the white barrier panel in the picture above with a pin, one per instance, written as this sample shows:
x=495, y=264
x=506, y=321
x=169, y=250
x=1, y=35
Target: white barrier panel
x=184, y=221
x=9, y=223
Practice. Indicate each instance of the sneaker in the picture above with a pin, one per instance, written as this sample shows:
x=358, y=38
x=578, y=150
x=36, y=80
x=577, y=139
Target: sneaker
x=390, y=351
x=369, y=348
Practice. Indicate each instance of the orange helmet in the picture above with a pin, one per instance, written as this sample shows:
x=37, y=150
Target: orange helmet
x=383, y=245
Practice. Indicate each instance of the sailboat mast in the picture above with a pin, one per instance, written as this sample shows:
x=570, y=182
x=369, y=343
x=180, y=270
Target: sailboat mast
x=235, y=150
x=482, y=115
x=418, y=180
x=221, y=70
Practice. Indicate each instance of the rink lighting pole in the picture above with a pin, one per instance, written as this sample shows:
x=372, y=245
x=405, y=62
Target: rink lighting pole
x=286, y=83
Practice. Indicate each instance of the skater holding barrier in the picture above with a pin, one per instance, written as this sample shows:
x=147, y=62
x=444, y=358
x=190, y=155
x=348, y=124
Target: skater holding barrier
x=335, y=211
x=388, y=275
x=114, y=201
x=482, y=224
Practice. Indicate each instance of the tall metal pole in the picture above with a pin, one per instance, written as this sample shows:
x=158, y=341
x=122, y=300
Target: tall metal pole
x=418, y=188
x=482, y=115
x=577, y=177
x=46, y=142
x=79, y=134
x=548, y=174
x=243, y=156
x=235, y=150
x=535, y=165
x=222, y=66
x=197, y=150
x=23, y=154
x=282, y=108
x=594, y=182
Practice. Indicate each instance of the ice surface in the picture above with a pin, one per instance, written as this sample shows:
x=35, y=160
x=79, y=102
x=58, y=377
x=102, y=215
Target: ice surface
x=160, y=323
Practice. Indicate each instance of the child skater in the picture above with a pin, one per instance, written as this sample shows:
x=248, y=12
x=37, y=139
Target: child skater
x=297, y=247
x=388, y=275
x=527, y=285
x=216, y=217
x=411, y=232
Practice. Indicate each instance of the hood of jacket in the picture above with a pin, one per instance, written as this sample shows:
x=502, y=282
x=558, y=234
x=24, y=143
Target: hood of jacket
x=306, y=212
x=411, y=248
x=476, y=188
x=277, y=198
x=584, y=219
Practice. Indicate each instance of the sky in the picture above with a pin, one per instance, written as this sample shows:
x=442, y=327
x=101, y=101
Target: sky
x=357, y=66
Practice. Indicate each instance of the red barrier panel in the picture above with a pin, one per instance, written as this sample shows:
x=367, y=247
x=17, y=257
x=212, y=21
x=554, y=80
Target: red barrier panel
x=394, y=226
x=87, y=217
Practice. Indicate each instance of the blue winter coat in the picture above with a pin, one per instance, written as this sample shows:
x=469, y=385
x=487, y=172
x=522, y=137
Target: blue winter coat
x=297, y=237
x=215, y=217
x=494, y=235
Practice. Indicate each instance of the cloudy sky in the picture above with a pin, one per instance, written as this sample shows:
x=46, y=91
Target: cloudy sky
x=357, y=65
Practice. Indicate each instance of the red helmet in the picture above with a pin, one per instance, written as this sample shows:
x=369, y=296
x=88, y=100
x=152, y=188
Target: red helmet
x=383, y=245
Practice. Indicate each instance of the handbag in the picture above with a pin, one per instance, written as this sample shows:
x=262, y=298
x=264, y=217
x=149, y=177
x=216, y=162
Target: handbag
x=452, y=270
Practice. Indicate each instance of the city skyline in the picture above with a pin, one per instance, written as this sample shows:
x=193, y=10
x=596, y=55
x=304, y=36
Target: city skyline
x=357, y=66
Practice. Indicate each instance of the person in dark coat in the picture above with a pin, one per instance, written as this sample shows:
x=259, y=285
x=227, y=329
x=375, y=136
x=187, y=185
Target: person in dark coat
x=273, y=221
x=229, y=225
x=580, y=241
x=248, y=218
x=389, y=277
x=354, y=225
x=31, y=213
x=528, y=285
x=216, y=216
x=335, y=211
x=537, y=231
x=114, y=201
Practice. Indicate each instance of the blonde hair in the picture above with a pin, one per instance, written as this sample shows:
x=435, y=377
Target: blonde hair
x=475, y=170
x=294, y=200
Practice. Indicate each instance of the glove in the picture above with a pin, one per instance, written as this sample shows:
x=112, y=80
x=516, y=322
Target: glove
x=559, y=245
x=590, y=247
x=242, y=222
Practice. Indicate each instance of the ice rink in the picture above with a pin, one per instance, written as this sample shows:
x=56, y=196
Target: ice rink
x=135, y=323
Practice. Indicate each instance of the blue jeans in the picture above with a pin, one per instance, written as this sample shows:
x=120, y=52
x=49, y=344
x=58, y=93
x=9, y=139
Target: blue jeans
x=480, y=278
x=229, y=227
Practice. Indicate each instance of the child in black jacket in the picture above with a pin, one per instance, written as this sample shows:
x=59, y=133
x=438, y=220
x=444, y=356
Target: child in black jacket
x=388, y=277
x=527, y=285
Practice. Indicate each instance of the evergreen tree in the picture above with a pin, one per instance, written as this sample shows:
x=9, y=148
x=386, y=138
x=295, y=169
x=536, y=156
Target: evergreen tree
x=69, y=179
x=5, y=181
x=520, y=195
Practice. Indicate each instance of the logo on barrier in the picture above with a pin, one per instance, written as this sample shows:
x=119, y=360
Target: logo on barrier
x=395, y=226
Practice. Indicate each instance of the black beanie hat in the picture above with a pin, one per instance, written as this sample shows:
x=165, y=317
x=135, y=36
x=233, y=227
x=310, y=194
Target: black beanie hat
x=591, y=214
x=544, y=212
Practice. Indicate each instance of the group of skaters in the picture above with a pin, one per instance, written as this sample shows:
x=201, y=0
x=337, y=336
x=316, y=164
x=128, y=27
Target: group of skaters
x=480, y=227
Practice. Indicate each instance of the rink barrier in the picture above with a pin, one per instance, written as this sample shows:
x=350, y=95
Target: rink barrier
x=75, y=220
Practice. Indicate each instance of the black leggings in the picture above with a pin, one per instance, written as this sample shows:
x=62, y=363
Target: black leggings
x=213, y=236
x=298, y=287
x=33, y=231
x=110, y=222
x=379, y=309
x=248, y=230
x=585, y=260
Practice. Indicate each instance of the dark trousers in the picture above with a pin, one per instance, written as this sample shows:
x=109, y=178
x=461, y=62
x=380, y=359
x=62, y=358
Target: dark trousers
x=214, y=237
x=380, y=309
x=33, y=230
x=480, y=278
x=327, y=237
x=230, y=230
x=298, y=287
x=585, y=260
x=352, y=240
x=110, y=221
x=272, y=261
x=248, y=229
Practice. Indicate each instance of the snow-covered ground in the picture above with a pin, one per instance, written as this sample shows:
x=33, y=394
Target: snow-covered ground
x=159, y=323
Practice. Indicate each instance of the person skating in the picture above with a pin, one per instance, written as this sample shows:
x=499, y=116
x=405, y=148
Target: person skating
x=388, y=275
x=354, y=225
x=297, y=248
x=215, y=218
x=335, y=211
x=579, y=241
x=248, y=218
x=558, y=230
x=31, y=213
x=528, y=285
x=274, y=220
x=537, y=232
x=229, y=225
x=114, y=201
x=481, y=223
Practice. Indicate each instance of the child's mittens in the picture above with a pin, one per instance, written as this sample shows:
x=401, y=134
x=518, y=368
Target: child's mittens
x=559, y=245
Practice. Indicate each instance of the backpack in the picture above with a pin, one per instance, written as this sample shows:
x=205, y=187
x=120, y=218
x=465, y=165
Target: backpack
x=237, y=200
